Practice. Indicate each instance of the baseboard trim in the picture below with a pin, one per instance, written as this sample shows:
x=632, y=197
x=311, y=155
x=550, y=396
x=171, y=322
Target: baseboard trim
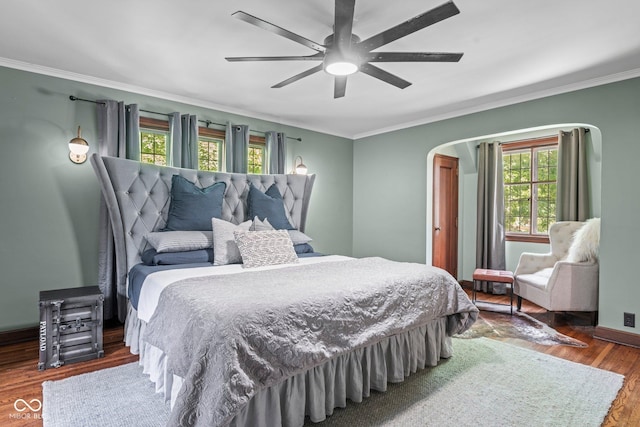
x=616, y=336
x=18, y=335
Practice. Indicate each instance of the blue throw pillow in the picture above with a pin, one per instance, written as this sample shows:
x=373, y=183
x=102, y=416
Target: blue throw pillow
x=268, y=205
x=193, y=207
x=151, y=257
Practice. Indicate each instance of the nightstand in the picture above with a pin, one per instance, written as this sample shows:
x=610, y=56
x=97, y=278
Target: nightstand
x=70, y=326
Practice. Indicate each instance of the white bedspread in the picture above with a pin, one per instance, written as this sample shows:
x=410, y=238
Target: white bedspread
x=236, y=334
x=155, y=283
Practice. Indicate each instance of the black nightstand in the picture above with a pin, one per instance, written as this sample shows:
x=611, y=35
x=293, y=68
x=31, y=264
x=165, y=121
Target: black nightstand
x=70, y=326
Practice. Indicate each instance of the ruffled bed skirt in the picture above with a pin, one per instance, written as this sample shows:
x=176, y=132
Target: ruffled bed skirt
x=316, y=392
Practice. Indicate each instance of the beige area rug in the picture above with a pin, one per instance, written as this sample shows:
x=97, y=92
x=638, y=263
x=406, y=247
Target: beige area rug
x=500, y=324
x=486, y=383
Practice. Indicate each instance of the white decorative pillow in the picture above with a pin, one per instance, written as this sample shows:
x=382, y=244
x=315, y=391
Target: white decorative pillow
x=259, y=248
x=179, y=241
x=225, y=250
x=258, y=225
x=586, y=242
x=298, y=237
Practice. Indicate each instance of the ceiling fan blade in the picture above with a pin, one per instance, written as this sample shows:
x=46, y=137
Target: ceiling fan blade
x=385, y=76
x=278, y=30
x=340, y=86
x=298, y=77
x=316, y=57
x=343, y=23
x=419, y=22
x=412, y=57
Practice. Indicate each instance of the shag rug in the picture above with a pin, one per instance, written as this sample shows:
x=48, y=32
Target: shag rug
x=485, y=383
x=502, y=325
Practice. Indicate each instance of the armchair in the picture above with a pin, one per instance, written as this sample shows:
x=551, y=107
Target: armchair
x=556, y=281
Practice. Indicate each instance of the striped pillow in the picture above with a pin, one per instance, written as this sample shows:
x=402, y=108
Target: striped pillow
x=259, y=248
x=179, y=241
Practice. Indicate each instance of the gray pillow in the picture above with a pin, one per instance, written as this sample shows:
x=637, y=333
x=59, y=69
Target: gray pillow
x=260, y=248
x=298, y=237
x=179, y=241
x=225, y=250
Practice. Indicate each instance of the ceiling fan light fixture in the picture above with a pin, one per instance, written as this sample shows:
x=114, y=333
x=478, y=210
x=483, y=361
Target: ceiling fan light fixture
x=338, y=64
x=341, y=68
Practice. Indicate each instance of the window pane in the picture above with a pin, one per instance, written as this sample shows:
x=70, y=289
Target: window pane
x=546, y=209
x=153, y=147
x=209, y=154
x=256, y=158
x=517, y=206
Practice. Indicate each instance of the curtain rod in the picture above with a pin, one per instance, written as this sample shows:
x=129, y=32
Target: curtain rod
x=586, y=130
x=206, y=122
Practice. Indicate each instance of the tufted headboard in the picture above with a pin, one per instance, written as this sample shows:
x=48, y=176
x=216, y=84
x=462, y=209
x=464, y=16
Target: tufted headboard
x=138, y=196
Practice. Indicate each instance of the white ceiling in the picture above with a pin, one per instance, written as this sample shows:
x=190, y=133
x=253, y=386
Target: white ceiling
x=514, y=50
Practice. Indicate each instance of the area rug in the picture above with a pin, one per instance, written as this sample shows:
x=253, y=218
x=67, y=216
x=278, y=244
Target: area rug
x=485, y=383
x=502, y=325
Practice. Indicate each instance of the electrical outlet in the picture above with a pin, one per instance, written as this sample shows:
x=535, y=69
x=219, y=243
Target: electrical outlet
x=630, y=320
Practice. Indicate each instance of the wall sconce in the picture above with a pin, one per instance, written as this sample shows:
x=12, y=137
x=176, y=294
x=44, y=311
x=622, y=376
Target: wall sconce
x=299, y=168
x=78, y=149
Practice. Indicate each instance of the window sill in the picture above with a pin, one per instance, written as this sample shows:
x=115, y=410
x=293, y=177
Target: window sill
x=527, y=238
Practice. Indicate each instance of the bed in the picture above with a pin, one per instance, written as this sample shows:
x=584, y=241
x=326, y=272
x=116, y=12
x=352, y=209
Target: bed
x=275, y=344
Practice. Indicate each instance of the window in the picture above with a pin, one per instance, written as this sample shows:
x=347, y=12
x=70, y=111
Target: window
x=210, y=149
x=154, y=137
x=154, y=143
x=530, y=173
x=257, y=151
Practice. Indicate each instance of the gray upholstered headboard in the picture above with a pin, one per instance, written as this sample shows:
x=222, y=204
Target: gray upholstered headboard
x=138, y=195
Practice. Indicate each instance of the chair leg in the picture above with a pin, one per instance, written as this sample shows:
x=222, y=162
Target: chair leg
x=519, y=303
x=552, y=317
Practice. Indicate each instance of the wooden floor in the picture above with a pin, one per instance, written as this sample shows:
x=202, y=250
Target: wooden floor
x=20, y=379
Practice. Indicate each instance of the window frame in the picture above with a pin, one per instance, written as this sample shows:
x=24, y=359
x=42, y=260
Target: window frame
x=155, y=126
x=532, y=145
x=208, y=133
x=255, y=141
x=258, y=142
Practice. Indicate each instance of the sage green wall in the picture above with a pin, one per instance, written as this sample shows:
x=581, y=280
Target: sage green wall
x=390, y=182
x=49, y=209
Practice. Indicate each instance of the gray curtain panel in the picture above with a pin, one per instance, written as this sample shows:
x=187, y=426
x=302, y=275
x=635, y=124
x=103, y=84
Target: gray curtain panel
x=572, y=202
x=276, y=151
x=236, y=148
x=189, y=141
x=490, y=238
x=118, y=136
x=184, y=141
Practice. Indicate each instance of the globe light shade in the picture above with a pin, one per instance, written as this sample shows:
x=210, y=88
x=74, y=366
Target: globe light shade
x=78, y=149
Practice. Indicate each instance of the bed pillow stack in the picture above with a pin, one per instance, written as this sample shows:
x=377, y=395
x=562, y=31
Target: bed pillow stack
x=193, y=209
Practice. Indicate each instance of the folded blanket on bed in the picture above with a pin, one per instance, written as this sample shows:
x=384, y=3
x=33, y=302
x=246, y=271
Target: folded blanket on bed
x=229, y=336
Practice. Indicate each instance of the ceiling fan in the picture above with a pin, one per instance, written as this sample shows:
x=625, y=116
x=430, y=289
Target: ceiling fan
x=343, y=53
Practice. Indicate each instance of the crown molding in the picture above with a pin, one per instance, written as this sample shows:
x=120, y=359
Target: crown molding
x=585, y=84
x=82, y=78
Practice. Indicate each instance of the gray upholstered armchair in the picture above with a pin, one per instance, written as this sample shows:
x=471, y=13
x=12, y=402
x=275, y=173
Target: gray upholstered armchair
x=559, y=281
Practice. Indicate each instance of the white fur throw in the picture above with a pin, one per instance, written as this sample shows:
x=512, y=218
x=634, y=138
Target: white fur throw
x=585, y=243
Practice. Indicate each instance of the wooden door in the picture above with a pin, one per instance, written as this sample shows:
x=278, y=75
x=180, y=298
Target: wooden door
x=445, y=213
